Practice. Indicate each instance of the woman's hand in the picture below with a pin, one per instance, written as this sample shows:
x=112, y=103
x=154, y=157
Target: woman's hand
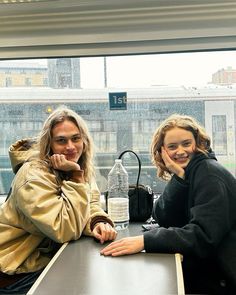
x=104, y=232
x=130, y=245
x=60, y=162
x=171, y=165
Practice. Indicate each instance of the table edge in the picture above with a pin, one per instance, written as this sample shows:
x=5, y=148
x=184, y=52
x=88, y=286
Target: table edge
x=46, y=269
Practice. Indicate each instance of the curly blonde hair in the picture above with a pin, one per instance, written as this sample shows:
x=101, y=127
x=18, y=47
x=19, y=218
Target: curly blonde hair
x=60, y=115
x=188, y=123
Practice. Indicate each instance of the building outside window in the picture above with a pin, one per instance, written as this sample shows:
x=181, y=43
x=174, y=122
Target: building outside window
x=30, y=92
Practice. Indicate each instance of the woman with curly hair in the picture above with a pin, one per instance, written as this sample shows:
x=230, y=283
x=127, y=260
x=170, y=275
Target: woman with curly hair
x=196, y=211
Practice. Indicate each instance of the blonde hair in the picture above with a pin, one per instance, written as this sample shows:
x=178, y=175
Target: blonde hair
x=60, y=115
x=180, y=121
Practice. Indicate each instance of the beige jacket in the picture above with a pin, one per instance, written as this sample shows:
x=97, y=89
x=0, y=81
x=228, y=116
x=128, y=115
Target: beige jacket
x=40, y=211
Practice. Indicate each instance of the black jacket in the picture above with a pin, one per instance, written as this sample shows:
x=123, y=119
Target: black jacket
x=197, y=216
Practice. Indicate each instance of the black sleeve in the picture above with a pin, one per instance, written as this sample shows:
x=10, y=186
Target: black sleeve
x=209, y=222
x=170, y=208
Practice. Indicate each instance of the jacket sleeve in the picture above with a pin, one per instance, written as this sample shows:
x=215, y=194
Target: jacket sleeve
x=59, y=212
x=169, y=208
x=207, y=225
x=97, y=214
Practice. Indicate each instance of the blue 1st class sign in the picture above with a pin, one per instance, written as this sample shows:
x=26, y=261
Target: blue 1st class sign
x=118, y=100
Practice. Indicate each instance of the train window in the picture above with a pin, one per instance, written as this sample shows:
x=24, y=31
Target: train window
x=94, y=125
x=219, y=135
x=200, y=84
x=142, y=133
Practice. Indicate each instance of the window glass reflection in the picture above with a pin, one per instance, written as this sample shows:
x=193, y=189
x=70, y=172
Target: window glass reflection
x=198, y=84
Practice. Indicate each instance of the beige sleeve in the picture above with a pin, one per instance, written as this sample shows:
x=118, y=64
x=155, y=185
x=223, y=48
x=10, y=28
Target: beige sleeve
x=60, y=213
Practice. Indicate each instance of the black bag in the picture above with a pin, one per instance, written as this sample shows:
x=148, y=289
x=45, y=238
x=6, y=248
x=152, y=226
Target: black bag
x=140, y=197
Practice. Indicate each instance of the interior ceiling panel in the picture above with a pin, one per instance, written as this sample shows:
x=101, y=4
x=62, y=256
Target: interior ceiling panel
x=105, y=27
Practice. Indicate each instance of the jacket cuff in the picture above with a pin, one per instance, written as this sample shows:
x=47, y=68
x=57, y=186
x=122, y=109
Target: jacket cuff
x=98, y=219
x=180, y=180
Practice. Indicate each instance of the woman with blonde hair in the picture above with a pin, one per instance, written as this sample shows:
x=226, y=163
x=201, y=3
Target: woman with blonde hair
x=61, y=114
x=53, y=199
x=196, y=211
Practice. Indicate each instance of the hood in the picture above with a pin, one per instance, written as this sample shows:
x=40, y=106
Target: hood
x=199, y=157
x=21, y=151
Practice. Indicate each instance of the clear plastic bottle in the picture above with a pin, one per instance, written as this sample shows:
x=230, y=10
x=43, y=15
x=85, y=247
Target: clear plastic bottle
x=118, y=198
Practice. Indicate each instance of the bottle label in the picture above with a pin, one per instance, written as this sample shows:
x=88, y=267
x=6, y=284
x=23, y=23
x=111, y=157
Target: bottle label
x=118, y=209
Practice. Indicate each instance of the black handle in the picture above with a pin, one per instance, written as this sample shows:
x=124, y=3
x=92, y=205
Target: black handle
x=139, y=163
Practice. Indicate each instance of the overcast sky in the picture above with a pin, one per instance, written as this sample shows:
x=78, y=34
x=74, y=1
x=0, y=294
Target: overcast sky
x=188, y=69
